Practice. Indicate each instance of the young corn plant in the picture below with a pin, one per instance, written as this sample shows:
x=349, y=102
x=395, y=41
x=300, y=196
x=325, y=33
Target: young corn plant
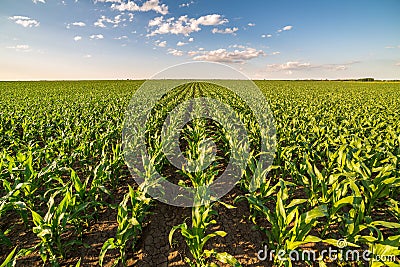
x=289, y=226
x=131, y=214
x=91, y=190
x=53, y=225
x=196, y=236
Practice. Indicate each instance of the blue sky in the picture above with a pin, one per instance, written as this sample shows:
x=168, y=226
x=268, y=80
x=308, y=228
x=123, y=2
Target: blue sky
x=119, y=39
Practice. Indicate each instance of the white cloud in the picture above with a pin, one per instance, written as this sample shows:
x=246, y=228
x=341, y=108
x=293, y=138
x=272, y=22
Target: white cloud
x=78, y=24
x=276, y=53
x=109, y=1
x=340, y=67
x=121, y=37
x=103, y=19
x=184, y=25
x=223, y=55
x=20, y=48
x=251, y=24
x=211, y=20
x=96, y=36
x=25, y=21
x=87, y=56
x=161, y=43
x=181, y=43
x=291, y=66
x=266, y=35
x=150, y=5
x=156, y=21
x=392, y=47
x=226, y=30
x=191, y=39
x=186, y=4
x=77, y=38
x=286, y=28
x=37, y=1
x=175, y=52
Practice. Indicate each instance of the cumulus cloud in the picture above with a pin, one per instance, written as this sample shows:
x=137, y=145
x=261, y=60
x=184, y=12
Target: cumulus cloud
x=79, y=24
x=25, y=21
x=266, y=35
x=210, y=20
x=77, y=38
x=291, y=66
x=20, y=48
x=76, y=24
x=150, y=5
x=175, y=52
x=225, y=31
x=186, y=4
x=121, y=37
x=240, y=55
x=286, y=28
x=183, y=25
x=109, y=1
x=39, y=1
x=103, y=19
x=251, y=24
x=181, y=43
x=191, y=39
x=161, y=43
x=96, y=36
x=156, y=21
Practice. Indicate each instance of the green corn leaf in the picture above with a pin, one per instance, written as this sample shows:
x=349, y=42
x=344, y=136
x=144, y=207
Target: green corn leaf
x=296, y=202
x=292, y=245
x=9, y=261
x=171, y=233
x=320, y=211
x=386, y=224
x=109, y=244
x=227, y=258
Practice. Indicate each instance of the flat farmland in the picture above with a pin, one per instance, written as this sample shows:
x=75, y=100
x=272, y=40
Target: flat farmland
x=68, y=198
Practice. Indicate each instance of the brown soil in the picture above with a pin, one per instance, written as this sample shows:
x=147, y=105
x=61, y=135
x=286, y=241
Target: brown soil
x=152, y=248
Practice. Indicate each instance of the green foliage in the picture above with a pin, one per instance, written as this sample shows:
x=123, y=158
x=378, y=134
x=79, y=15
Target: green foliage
x=335, y=173
x=131, y=213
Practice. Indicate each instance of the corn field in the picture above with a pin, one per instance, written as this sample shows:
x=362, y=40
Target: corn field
x=334, y=179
